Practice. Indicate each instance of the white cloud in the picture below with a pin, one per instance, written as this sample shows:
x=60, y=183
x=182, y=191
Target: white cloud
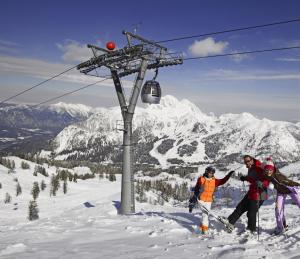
x=41, y=69
x=235, y=75
x=8, y=43
x=288, y=59
x=8, y=46
x=74, y=51
x=239, y=57
x=207, y=47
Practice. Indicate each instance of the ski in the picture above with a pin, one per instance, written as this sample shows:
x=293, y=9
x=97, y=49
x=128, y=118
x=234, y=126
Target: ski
x=229, y=228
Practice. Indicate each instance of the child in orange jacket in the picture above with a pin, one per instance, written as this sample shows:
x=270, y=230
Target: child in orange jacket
x=204, y=190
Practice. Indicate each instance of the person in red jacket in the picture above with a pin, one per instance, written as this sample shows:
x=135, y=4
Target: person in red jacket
x=256, y=195
x=203, y=192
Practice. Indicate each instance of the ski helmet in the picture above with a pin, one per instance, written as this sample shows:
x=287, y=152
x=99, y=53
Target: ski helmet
x=210, y=169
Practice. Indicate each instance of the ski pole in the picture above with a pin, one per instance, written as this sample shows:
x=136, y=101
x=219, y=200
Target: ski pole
x=258, y=220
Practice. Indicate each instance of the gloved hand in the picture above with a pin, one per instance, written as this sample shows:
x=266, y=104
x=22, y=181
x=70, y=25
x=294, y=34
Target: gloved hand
x=243, y=178
x=190, y=208
x=192, y=202
x=193, y=199
x=259, y=184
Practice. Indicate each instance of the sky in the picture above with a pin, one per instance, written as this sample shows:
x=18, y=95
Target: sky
x=39, y=39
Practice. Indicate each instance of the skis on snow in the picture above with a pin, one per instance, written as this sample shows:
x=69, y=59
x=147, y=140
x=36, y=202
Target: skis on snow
x=229, y=228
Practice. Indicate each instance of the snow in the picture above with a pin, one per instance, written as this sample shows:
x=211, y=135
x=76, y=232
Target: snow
x=7, y=139
x=183, y=122
x=73, y=109
x=84, y=223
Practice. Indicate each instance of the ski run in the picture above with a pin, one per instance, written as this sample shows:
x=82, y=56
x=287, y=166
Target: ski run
x=84, y=223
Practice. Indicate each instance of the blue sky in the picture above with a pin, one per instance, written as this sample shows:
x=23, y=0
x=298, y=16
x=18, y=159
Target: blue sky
x=39, y=39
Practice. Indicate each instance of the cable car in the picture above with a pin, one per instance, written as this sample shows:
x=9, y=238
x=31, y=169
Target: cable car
x=151, y=92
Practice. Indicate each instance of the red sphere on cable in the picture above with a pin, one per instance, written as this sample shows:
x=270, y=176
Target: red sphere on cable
x=110, y=45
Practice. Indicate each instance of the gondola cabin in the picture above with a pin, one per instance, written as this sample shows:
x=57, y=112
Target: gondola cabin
x=151, y=92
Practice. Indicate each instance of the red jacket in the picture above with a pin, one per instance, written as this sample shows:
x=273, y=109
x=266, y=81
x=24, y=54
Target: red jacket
x=255, y=173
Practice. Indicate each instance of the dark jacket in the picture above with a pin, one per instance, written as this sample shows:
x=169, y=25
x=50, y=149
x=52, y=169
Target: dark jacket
x=281, y=182
x=255, y=174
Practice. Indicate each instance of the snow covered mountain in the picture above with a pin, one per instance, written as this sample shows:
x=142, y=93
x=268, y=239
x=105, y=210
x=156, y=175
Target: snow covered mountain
x=26, y=127
x=177, y=132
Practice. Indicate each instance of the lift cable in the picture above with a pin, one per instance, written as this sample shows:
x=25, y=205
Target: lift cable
x=230, y=30
x=35, y=86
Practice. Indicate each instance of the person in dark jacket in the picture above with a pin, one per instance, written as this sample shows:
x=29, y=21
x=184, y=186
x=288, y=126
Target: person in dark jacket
x=284, y=187
x=256, y=195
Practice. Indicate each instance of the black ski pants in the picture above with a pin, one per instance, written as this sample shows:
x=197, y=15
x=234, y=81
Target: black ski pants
x=251, y=207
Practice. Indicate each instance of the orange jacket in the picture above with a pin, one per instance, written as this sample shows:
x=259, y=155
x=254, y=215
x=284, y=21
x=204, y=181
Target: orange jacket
x=208, y=186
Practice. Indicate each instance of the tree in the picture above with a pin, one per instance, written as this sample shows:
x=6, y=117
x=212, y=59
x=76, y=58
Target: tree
x=65, y=187
x=25, y=165
x=41, y=170
x=75, y=177
x=43, y=185
x=54, y=184
x=112, y=177
x=101, y=175
x=35, y=190
x=11, y=171
x=7, y=198
x=18, y=189
x=13, y=165
x=33, y=211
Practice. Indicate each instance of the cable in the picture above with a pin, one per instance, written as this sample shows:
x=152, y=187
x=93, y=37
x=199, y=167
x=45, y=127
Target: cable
x=47, y=80
x=232, y=30
x=243, y=53
x=182, y=38
x=71, y=92
x=192, y=58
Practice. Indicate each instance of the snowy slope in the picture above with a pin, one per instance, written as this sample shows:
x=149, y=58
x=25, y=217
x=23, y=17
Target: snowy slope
x=84, y=224
x=75, y=110
x=177, y=132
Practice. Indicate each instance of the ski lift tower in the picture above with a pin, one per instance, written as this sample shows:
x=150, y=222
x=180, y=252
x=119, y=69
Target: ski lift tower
x=133, y=58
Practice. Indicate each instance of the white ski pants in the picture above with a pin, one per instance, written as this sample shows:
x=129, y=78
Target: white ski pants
x=205, y=221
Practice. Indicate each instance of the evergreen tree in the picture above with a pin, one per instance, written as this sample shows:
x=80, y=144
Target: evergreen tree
x=35, y=190
x=18, y=189
x=13, y=165
x=35, y=173
x=75, y=178
x=70, y=175
x=7, y=198
x=43, y=185
x=54, y=184
x=65, y=187
x=112, y=177
x=33, y=211
x=25, y=165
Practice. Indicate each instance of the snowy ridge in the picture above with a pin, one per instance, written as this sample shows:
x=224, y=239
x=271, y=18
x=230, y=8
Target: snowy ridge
x=177, y=132
x=74, y=110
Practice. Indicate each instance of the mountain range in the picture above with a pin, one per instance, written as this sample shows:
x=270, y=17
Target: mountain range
x=28, y=128
x=177, y=132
